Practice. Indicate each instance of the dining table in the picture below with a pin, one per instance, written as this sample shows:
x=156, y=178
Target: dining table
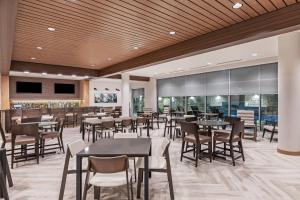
x=132, y=147
x=97, y=122
x=211, y=123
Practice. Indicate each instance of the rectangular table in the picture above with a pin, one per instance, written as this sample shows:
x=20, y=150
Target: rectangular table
x=131, y=147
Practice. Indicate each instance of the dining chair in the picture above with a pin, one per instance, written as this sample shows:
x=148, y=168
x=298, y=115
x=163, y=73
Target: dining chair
x=140, y=123
x=70, y=163
x=270, y=127
x=31, y=119
x=155, y=119
x=191, y=134
x=6, y=137
x=88, y=128
x=52, y=135
x=126, y=125
x=23, y=135
x=233, y=140
x=249, y=121
x=226, y=130
x=168, y=125
x=107, y=172
x=159, y=161
x=107, y=128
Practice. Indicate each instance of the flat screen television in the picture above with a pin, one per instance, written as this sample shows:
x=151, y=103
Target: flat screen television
x=28, y=87
x=64, y=88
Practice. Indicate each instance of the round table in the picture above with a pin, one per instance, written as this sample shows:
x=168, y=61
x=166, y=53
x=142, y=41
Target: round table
x=211, y=123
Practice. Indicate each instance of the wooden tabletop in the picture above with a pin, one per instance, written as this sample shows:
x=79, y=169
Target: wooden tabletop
x=132, y=147
x=211, y=123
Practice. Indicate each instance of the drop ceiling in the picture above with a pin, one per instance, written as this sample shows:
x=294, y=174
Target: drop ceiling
x=99, y=33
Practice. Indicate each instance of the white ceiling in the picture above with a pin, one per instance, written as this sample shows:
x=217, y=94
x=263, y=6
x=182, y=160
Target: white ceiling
x=230, y=57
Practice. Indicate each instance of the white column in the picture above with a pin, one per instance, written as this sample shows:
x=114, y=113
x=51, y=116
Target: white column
x=289, y=93
x=125, y=95
x=151, y=95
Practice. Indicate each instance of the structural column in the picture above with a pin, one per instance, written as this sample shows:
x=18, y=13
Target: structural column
x=289, y=93
x=152, y=94
x=125, y=95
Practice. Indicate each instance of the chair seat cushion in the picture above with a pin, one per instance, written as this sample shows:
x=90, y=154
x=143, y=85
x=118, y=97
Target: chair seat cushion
x=155, y=162
x=227, y=138
x=49, y=135
x=24, y=139
x=223, y=133
x=110, y=179
x=270, y=128
x=202, y=138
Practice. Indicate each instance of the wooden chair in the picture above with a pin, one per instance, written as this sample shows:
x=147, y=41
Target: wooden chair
x=52, y=135
x=4, y=173
x=192, y=134
x=107, y=172
x=107, y=128
x=126, y=125
x=6, y=138
x=249, y=121
x=226, y=130
x=72, y=149
x=156, y=119
x=235, y=137
x=31, y=119
x=159, y=161
x=270, y=127
x=140, y=123
x=25, y=134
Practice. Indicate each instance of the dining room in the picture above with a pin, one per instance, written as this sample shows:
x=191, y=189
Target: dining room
x=156, y=99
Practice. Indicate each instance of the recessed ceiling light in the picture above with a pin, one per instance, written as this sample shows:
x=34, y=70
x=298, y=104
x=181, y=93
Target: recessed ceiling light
x=92, y=65
x=59, y=74
x=86, y=77
x=179, y=68
x=26, y=72
x=51, y=29
x=209, y=63
x=237, y=5
x=73, y=75
x=135, y=48
x=108, y=58
x=254, y=54
x=32, y=58
x=44, y=73
x=172, y=32
x=39, y=48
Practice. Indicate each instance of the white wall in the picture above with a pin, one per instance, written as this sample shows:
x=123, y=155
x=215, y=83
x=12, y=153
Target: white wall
x=112, y=84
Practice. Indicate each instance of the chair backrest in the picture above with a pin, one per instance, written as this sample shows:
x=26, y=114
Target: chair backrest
x=166, y=110
x=237, y=129
x=61, y=126
x=125, y=135
x=141, y=120
x=191, y=119
x=108, y=164
x=246, y=115
x=25, y=129
x=231, y=120
x=189, y=129
x=76, y=147
x=31, y=119
x=160, y=146
x=108, y=124
x=126, y=122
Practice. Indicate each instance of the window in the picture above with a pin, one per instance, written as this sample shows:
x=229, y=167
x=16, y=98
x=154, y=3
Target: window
x=245, y=102
x=177, y=103
x=269, y=108
x=163, y=102
x=196, y=101
x=217, y=103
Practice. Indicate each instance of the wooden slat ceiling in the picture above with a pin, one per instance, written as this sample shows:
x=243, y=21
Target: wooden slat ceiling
x=99, y=33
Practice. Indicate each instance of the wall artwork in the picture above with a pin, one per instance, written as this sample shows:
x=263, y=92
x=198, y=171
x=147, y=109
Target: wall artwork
x=100, y=97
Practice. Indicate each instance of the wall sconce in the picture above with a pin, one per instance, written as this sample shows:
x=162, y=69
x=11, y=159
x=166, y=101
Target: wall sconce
x=117, y=89
x=95, y=89
x=106, y=89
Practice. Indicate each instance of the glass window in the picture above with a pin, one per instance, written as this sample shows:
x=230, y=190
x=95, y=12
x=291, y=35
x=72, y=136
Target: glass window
x=137, y=100
x=217, y=103
x=245, y=102
x=177, y=103
x=163, y=102
x=269, y=108
x=197, y=101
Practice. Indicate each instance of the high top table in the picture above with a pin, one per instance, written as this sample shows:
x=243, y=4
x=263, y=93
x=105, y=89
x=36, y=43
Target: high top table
x=132, y=147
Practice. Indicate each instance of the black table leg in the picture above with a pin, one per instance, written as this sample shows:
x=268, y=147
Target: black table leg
x=78, y=178
x=146, y=179
x=83, y=130
x=94, y=138
x=148, y=127
x=171, y=128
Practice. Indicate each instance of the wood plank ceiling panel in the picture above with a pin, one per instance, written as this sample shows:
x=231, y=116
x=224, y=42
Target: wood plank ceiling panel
x=100, y=33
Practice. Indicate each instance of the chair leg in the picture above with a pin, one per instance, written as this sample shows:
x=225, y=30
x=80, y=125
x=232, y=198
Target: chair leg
x=224, y=148
x=232, y=154
x=182, y=149
x=134, y=167
x=169, y=174
x=242, y=150
x=214, y=148
x=12, y=155
x=139, y=183
x=37, y=151
x=165, y=131
x=62, y=144
x=131, y=189
x=86, y=185
x=272, y=134
x=210, y=151
x=128, y=190
x=96, y=192
x=58, y=142
x=264, y=131
x=197, y=154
